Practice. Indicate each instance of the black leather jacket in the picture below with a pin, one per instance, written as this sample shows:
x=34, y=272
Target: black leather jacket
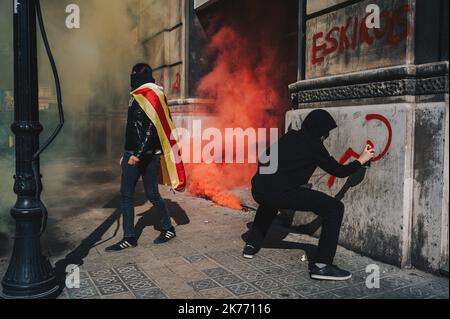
x=141, y=134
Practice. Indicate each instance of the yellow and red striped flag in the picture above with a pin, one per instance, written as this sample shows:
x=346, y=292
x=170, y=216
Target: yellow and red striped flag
x=152, y=100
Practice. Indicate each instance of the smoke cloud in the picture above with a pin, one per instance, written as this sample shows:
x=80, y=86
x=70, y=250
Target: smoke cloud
x=248, y=82
x=94, y=64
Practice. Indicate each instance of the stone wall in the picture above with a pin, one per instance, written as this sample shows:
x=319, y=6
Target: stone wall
x=162, y=33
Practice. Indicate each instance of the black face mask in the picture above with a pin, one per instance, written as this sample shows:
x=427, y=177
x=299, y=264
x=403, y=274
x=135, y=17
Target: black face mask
x=138, y=80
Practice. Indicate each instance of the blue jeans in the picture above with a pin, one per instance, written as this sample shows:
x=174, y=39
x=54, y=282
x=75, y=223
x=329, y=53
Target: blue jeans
x=149, y=169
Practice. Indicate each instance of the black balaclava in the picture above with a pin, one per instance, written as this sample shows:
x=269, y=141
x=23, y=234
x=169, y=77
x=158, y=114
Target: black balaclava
x=319, y=123
x=139, y=79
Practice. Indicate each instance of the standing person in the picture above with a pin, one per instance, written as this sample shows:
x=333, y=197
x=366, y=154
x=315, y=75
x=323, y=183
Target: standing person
x=300, y=153
x=150, y=141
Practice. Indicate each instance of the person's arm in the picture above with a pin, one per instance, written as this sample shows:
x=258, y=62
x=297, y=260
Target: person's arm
x=326, y=162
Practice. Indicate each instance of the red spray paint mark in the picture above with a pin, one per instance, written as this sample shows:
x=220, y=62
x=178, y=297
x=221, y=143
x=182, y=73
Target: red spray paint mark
x=350, y=153
x=176, y=87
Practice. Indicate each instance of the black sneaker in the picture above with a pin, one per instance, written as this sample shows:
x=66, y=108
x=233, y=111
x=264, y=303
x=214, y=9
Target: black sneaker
x=329, y=272
x=123, y=244
x=249, y=252
x=165, y=236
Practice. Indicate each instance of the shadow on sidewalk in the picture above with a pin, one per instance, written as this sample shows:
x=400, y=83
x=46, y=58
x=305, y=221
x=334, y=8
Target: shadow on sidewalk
x=281, y=228
x=76, y=257
x=151, y=218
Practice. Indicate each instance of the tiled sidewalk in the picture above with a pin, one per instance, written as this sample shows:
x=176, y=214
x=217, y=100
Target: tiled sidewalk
x=204, y=261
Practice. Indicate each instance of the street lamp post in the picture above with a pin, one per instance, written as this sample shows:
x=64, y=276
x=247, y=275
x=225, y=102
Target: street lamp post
x=30, y=274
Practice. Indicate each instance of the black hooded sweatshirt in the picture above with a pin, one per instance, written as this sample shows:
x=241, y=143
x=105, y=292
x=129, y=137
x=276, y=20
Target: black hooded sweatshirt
x=300, y=153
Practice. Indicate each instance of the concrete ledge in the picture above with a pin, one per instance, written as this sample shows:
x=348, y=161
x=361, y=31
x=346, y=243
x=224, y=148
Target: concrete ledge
x=395, y=81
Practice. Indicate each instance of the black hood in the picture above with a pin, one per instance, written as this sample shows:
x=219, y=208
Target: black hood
x=319, y=123
x=137, y=80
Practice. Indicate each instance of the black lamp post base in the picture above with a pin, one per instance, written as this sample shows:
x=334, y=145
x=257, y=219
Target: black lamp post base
x=25, y=294
x=30, y=275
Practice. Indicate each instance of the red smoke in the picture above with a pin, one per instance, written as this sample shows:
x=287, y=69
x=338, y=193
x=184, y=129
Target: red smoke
x=247, y=83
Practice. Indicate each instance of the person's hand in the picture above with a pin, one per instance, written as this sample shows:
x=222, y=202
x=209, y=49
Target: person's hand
x=133, y=161
x=367, y=155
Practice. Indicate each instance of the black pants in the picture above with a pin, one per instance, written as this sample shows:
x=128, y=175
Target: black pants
x=302, y=199
x=148, y=168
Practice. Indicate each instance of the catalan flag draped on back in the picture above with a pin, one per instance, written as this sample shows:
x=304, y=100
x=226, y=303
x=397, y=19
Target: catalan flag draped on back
x=152, y=100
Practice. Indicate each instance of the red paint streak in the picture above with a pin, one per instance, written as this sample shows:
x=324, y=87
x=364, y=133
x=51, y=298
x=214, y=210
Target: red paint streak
x=176, y=87
x=351, y=153
x=395, y=28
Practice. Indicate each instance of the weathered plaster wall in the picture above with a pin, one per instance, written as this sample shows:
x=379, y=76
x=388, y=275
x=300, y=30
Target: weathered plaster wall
x=162, y=33
x=430, y=162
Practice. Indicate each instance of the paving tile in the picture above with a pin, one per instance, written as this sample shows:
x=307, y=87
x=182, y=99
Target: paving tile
x=356, y=292
x=101, y=273
x=260, y=263
x=133, y=276
x=216, y=293
x=241, y=289
x=293, y=279
x=284, y=293
x=85, y=293
x=203, y=284
x=251, y=275
x=255, y=296
x=239, y=267
x=216, y=272
x=308, y=288
x=154, y=293
x=228, y=280
x=141, y=285
x=195, y=258
x=121, y=296
x=112, y=289
x=107, y=280
x=267, y=284
x=325, y=296
x=122, y=270
x=275, y=271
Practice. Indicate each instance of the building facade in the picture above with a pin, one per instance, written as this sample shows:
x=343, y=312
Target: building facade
x=387, y=85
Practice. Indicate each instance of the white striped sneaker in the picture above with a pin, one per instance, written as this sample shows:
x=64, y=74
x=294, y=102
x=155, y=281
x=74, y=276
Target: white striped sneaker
x=166, y=236
x=123, y=244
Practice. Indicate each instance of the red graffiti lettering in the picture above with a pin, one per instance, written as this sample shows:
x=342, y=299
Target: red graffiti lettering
x=343, y=37
x=332, y=41
x=351, y=153
x=364, y=35
x=317, y=48
x=396, y=28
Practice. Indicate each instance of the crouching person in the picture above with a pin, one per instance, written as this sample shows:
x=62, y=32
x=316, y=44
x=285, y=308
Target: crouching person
x=300, y=153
